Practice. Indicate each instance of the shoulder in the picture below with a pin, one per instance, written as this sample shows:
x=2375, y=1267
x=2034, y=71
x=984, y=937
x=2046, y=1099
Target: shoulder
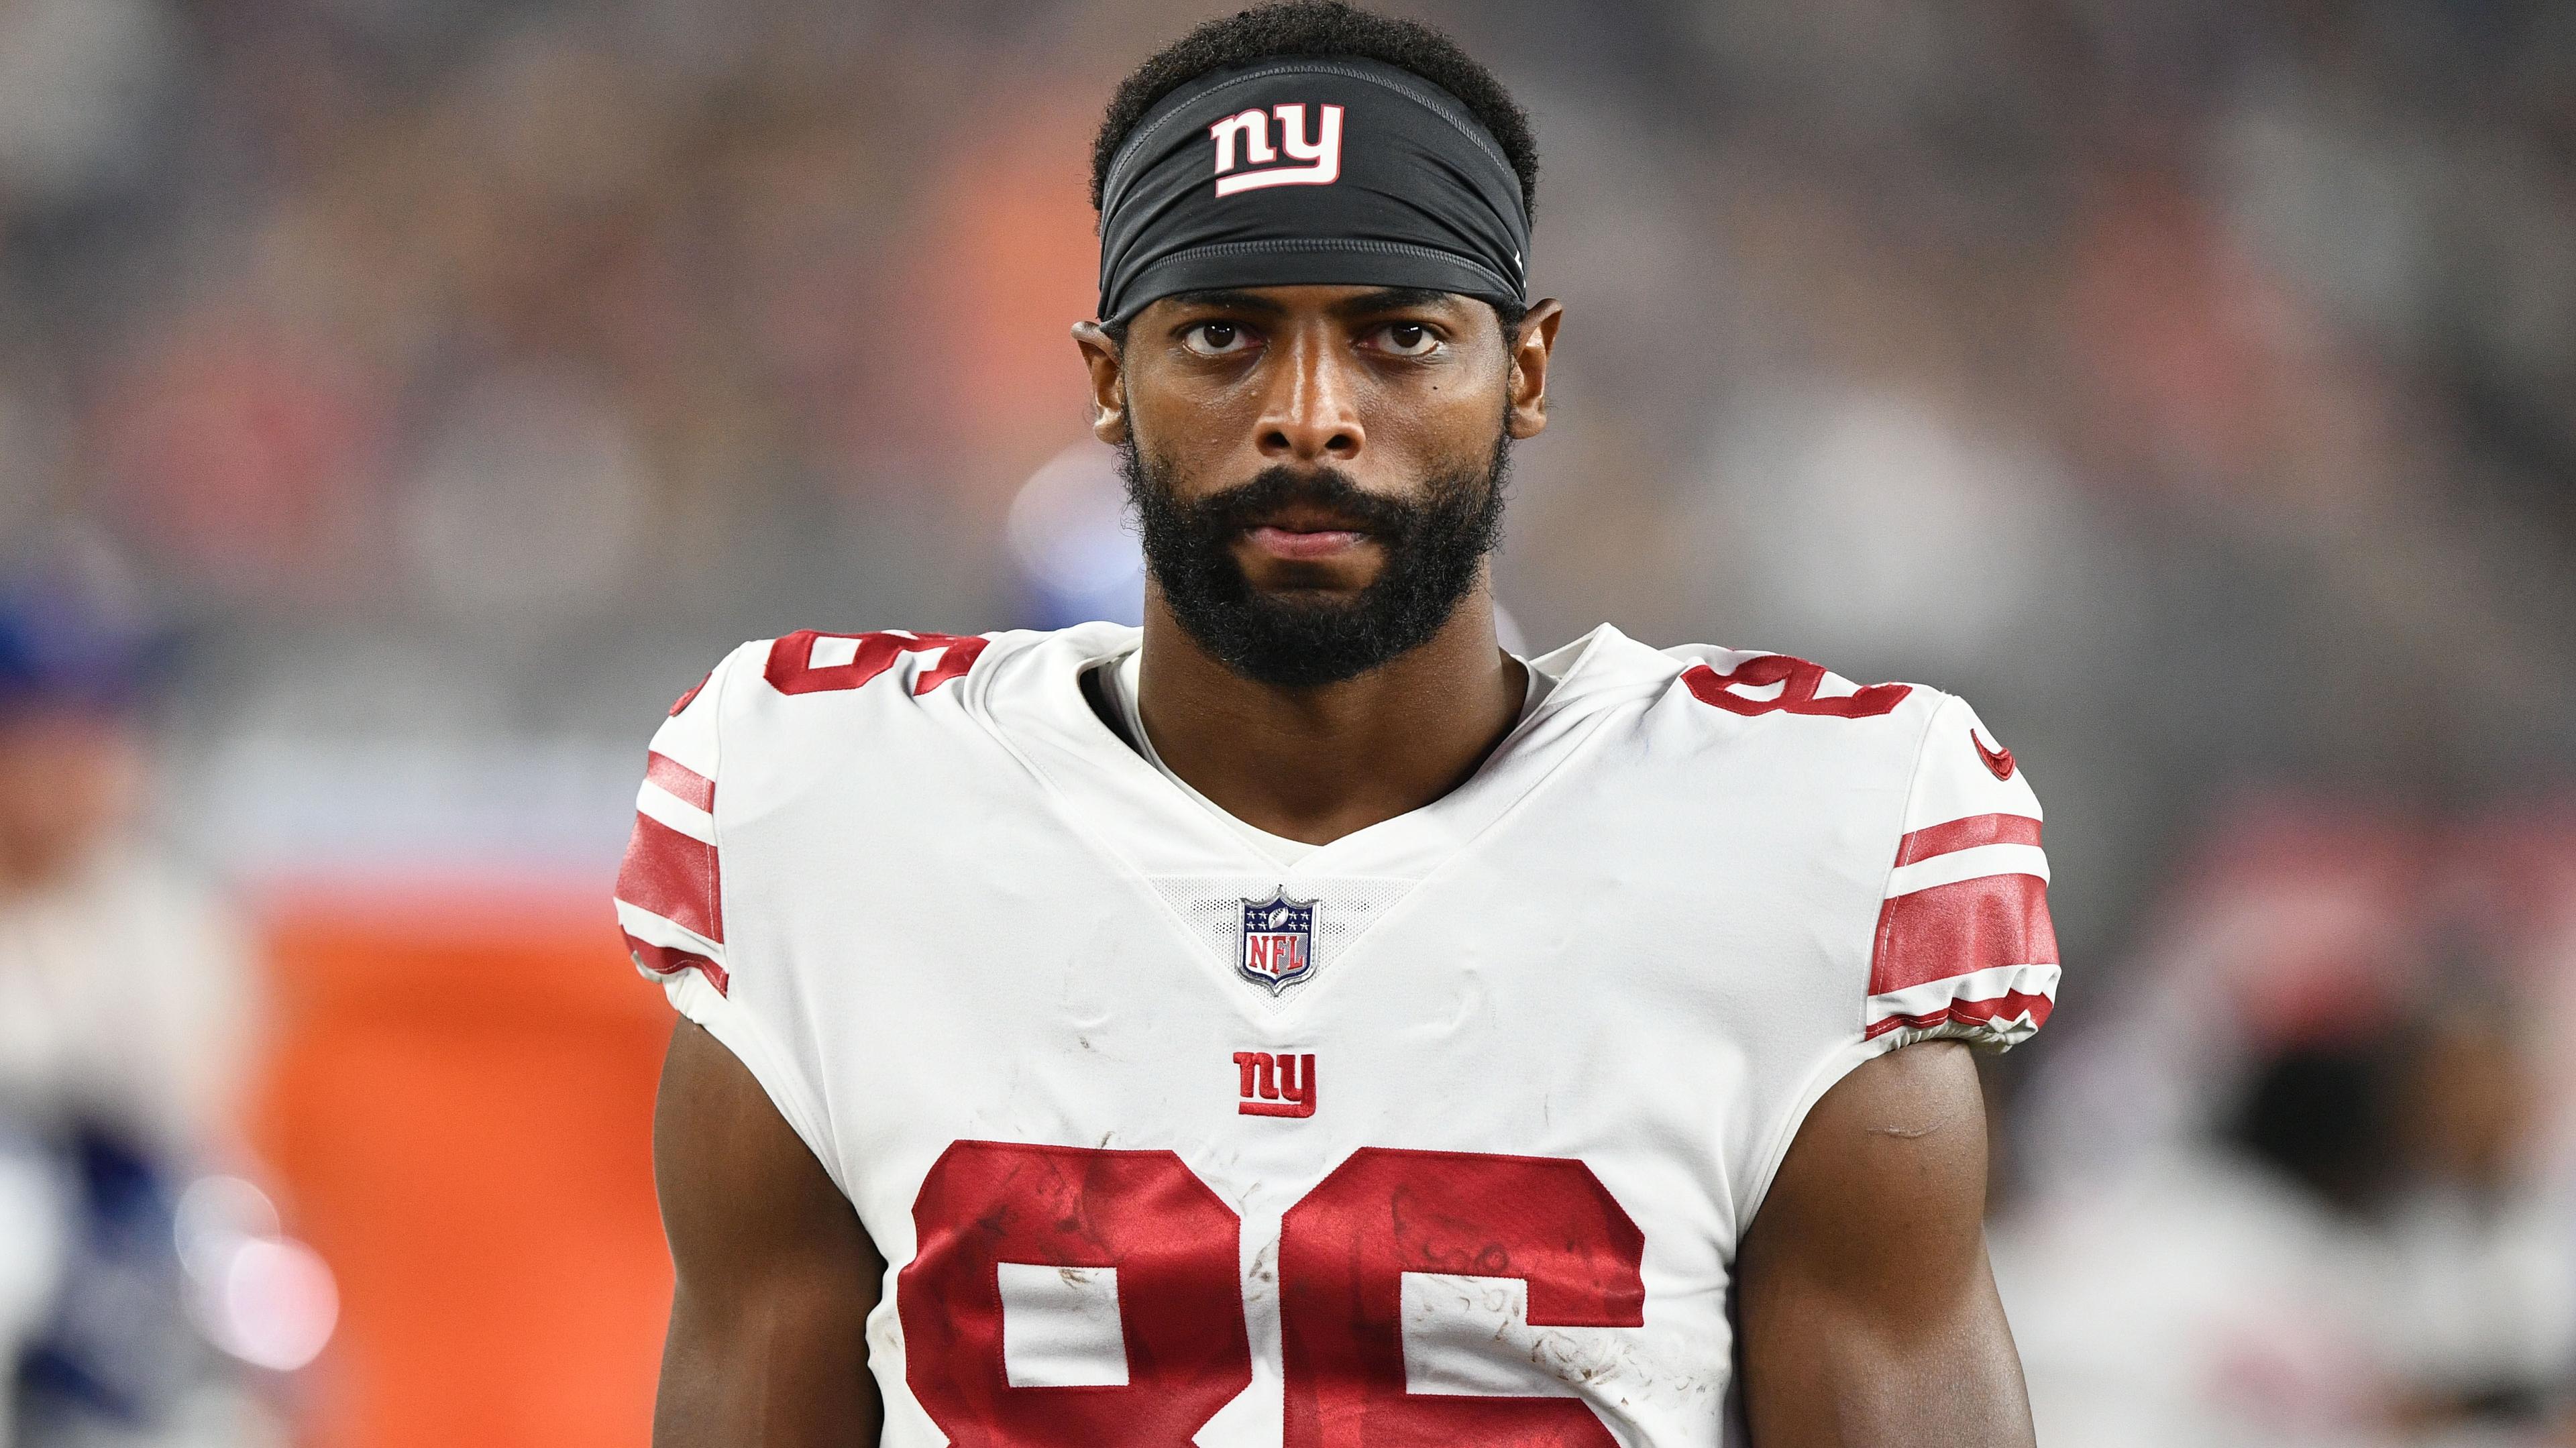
x=812, y=661
x=1753, y=725
x=1935, y=738
x=770, y=713
x=810, y=732
x=1798, y=694
x=1908, y=788
x=1792, y=731
x=779, y=699
x=810, y=672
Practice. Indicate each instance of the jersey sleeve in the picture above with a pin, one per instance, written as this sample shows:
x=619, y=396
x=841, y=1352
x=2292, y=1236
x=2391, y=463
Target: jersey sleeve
x=1964, y=948
x=671, y=900
x=670, y=887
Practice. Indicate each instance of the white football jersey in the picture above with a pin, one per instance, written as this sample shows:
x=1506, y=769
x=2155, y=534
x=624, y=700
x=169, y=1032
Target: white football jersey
x=1060, y=1032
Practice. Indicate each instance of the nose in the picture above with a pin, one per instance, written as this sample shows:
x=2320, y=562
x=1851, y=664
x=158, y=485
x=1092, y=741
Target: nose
x=1311, y=414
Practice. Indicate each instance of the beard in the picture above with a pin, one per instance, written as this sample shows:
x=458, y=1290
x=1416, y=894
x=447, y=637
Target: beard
x=1435, y=548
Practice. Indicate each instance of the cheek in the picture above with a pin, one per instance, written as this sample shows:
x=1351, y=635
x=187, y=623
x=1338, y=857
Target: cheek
x=1190, y=429
x=1439, y=424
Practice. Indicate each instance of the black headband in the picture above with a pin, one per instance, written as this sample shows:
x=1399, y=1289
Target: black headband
x=1310, y=170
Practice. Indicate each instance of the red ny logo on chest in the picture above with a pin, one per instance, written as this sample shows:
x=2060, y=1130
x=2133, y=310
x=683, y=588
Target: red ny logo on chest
x=1275, y=1085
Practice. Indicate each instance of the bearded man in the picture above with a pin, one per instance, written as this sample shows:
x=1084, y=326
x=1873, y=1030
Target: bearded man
x=1011, y=965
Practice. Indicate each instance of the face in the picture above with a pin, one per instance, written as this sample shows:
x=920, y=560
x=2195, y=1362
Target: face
x=1317, y=470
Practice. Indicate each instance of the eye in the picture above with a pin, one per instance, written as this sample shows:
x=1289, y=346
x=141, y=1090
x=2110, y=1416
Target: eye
x=1408, y=339
x=1217, y=339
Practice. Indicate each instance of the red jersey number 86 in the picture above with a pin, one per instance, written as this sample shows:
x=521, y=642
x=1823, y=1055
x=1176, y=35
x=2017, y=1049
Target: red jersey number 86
x=1343, y=1253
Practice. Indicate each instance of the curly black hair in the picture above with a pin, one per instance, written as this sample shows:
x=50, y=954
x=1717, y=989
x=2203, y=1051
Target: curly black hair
x=1318, y=27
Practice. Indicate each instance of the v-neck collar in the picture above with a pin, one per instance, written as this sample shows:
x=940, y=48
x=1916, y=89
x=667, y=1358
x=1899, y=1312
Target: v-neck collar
x=1031, y=699
x=1119, y=682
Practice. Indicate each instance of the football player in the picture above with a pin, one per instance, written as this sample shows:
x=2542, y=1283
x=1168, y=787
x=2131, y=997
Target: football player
x=1011, y=966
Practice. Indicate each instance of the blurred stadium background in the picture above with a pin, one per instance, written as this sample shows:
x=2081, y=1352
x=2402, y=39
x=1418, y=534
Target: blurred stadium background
x=402, y=400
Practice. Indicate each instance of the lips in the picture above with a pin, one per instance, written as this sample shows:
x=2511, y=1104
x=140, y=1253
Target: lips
x=1305, y=530
x=1304, y=543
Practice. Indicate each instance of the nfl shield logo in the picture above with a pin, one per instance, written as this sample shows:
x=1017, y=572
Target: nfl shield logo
x=1278, y=942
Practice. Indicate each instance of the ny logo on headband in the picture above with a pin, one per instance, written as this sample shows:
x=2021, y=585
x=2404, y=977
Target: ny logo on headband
x=1251, y=131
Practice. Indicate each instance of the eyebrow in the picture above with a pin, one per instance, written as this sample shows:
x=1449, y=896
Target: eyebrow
x=1228, y=300
x=1393, y=299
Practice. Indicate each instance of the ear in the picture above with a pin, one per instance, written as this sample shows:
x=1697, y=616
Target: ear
x=1531, y=348
x=1108, y=389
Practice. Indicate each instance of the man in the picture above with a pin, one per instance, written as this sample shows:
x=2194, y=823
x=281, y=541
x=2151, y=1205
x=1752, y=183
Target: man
x=126, y=1036
x=1013, y=965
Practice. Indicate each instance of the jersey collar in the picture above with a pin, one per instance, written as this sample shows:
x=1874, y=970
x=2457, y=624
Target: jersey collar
x=1028, y=693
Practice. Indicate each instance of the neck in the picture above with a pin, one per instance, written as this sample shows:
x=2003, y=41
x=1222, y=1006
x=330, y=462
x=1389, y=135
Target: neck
x=1315, y=764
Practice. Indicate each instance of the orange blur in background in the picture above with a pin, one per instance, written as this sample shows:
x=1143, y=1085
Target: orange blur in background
x=459, y=1109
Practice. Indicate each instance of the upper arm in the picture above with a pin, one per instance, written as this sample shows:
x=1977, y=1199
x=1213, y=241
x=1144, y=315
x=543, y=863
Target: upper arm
x=1868, y=1310
x=775, y=1274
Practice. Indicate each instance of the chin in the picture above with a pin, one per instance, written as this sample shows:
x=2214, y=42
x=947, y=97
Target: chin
x=1310, y=582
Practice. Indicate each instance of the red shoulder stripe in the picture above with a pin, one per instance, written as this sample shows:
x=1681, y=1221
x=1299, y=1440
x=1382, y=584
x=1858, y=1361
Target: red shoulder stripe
x=673, y=876
x=684, y=783
x=1972, y=925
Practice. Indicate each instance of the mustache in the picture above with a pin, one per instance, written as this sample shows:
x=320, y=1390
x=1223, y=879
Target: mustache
x=1326, y=489
x=1436, y=536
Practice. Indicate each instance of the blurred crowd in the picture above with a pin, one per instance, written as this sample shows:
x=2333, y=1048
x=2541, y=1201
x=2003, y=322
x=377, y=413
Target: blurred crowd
x=2303, y=1175
x=2192, y=384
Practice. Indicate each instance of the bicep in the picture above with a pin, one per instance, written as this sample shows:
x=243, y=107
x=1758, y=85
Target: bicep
x=1867, y=1306
x=775, y=1276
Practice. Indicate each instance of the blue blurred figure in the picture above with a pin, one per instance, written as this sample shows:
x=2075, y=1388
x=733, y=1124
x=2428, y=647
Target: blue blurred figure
x=122, y=1040
x=1075, y=549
